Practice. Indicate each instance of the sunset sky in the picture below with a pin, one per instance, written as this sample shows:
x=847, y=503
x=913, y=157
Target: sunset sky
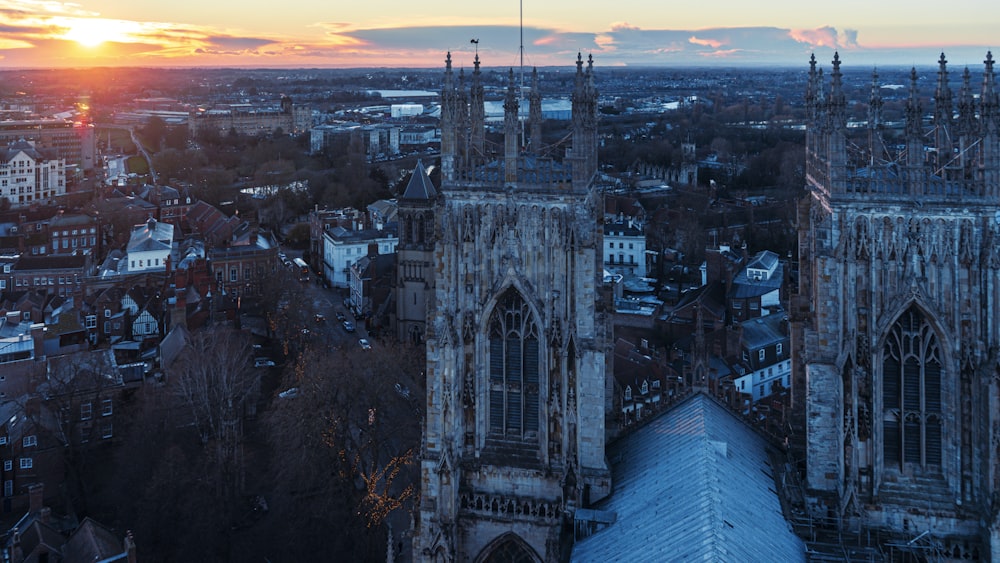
x=393, y=33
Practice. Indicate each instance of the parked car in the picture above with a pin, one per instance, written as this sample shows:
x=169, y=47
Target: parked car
x=341, y=317
x=365, y=345
x=263, y=363
x=319, y=318
x=348, y=326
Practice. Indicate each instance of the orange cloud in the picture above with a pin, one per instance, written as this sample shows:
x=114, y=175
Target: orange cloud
x=713, y=43
x=825, y=37
x=623, y=26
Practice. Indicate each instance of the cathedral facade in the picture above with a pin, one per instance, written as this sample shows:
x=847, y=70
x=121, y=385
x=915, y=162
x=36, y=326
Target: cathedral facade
x=514, y=433
x=897, y=321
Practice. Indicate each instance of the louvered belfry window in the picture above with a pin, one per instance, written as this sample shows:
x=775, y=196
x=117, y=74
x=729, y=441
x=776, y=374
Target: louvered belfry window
x=911, y=394
x=514, y=369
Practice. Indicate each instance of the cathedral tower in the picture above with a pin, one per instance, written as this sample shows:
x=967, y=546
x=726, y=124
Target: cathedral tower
x=415, y=256
x=896, y=322
x=514, y=434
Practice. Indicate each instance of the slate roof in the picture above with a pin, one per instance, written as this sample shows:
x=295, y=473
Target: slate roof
x=420, y=186
x=764, y=331
x=692, y=485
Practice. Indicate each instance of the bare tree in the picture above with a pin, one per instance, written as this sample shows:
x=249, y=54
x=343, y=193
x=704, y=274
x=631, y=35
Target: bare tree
x=348, y=439
x=218, y=386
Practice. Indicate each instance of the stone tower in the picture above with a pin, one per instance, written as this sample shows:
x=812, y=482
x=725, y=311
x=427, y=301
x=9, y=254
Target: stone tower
x=896, y=320
x=515, y=428
x=415, y=256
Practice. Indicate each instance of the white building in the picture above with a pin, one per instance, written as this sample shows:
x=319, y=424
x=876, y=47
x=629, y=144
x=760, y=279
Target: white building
x=27, y=175
x=342, y=248
x=767, y=364
x=625, y=249
x=149, y=246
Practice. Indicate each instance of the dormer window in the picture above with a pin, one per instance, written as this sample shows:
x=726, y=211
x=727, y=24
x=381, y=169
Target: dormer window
x=645, y=388
x=628, y=393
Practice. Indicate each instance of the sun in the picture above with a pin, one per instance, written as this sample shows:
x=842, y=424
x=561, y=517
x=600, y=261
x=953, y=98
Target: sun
x=92, y=32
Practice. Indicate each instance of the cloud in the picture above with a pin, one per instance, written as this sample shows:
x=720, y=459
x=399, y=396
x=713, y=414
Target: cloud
x=238, y=42
x=44, y=8
x=713, y=43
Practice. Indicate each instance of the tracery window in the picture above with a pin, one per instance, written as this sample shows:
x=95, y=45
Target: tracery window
x=514, y=369
x=911, y=394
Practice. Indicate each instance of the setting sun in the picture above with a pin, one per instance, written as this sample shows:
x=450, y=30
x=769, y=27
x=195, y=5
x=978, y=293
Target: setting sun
x=91, y=32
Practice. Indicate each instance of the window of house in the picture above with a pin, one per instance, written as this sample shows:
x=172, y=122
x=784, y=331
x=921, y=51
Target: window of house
x=91, y=321
x=107, y=429
x=760, y=355
x=86, y=411
x=514, y=409
x=630, y=246
x=777, y=349
x=107, y=327
x=26, y=316
x=628, y=393
x=645, y=388
x=27, y=463
x=246, y=273
x=8, y=464
x=107, y=407
x=232, y=274
x=29, y=441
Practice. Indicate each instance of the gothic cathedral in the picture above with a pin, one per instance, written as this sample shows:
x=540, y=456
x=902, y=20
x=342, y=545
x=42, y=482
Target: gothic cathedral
x=897, y=321
x=514, y=433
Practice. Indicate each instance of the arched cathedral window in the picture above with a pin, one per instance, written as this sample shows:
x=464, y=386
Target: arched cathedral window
x=911, y=394
x=514, y=369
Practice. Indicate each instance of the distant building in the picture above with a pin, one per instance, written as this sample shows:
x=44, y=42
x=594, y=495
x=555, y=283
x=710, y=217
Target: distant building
x=30, y=175
x=240, y=269
x=247, y=119
x=342, y=248
x=766, y=357
x=74, y=143
x=149, y=247
x=625, y=249
x=757, y=289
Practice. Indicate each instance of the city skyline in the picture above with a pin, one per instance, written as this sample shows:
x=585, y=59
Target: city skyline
x=306, y=33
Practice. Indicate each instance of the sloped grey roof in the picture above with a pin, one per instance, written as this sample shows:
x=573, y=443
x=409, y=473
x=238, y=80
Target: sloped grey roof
x=692, y=485
x=764, y=331
x=420, y=186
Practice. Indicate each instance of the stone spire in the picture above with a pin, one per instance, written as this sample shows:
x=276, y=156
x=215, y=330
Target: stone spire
x=875, y=119
x=477, y=112
x=511, y=130
x=584, y=123
x=943, y=115
x=462, y=123
x=989, y=105
x=989, y=114
x=837, y=103
x=448, y=124
x=535, y=113
x=914, y=124
x=966, y=125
